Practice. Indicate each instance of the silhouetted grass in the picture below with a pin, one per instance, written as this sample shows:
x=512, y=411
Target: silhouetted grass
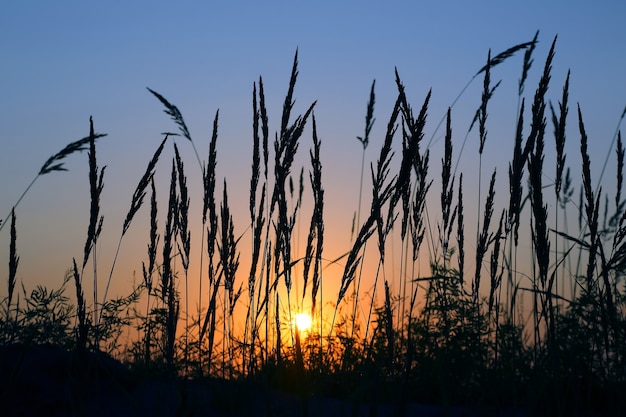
x=552, y=344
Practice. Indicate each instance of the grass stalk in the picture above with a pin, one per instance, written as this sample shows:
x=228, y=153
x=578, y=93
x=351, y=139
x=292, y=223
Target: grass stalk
x=81, y=342
x=136, y=203
x=148, y=273
x=209, y=226
x=14, y=261
x=184, y=240
x=168, y=293
x=96, y=185
x=484, y=239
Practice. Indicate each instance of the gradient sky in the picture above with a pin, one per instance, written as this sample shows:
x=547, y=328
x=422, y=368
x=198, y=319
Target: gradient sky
x=67, y=60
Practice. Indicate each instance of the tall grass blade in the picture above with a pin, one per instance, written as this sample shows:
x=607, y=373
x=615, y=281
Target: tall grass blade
x=591, y=202
x=80, y=311
x=559, y=136
x=484, y=238
x=14, y=260
x=620, y=171
x=528, y=62
x=136, y=203
x=95, y=188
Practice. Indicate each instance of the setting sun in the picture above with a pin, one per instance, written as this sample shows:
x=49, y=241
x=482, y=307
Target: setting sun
x=303, y=321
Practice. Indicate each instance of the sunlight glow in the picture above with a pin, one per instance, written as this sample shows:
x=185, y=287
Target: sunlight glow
x=303, y=321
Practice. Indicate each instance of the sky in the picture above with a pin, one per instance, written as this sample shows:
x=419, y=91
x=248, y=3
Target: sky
x=65, y=61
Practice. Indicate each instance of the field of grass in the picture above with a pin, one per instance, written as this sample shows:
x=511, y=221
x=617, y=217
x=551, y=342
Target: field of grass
x=518, y=308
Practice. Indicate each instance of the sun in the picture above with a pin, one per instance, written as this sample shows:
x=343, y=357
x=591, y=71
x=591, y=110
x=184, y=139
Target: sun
x=303, y=321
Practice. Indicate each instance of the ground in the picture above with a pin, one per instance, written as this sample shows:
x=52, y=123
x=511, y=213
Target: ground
x=46, y=380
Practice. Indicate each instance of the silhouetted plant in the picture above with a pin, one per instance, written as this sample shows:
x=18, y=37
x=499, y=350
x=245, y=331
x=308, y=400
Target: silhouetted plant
x=431, y=335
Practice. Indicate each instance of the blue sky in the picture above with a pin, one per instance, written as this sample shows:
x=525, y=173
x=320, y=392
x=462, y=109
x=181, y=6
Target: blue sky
x=65, y=61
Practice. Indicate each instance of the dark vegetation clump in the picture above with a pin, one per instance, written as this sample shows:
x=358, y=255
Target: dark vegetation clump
x=529, y=318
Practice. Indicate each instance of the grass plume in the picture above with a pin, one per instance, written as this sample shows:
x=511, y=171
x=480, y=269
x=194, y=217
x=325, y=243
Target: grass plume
x=56, y=163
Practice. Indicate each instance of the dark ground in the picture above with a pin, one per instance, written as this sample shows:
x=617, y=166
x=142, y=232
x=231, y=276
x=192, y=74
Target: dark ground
x=46, y=380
